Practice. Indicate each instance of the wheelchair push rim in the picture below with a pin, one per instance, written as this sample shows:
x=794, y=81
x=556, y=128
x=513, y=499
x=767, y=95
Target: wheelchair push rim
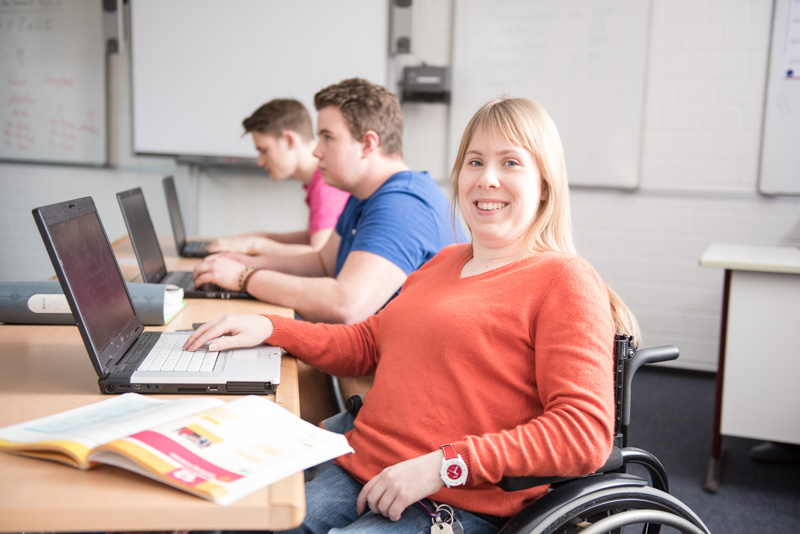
x=576, y=516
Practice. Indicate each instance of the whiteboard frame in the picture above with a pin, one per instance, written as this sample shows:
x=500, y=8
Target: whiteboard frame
x=56, y=110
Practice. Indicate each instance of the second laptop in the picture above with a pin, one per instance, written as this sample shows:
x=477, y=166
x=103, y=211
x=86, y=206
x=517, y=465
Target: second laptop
x=148, y=252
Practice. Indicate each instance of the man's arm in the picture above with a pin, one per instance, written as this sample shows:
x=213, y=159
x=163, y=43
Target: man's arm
x=288, y=244
x=291, y=245
x=319, y=262
x=320, y=238
x=306, y=284
x=366, y=282
x=299, y=237
x=226, y=269
x=220, y=270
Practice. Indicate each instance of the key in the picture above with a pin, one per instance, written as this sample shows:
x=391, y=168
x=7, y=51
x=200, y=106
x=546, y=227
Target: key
x=445, y=521
x=441, y=528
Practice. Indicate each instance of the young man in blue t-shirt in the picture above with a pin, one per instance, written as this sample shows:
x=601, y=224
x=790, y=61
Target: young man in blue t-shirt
x=394, y=222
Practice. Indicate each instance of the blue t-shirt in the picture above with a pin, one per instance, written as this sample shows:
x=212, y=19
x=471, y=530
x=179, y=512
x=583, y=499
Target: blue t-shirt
x=408, y=220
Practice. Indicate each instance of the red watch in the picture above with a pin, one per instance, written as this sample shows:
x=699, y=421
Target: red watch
x=454, y=470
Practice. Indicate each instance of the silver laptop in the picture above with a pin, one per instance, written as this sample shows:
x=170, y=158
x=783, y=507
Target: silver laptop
x=124, y=356
x=187, y=249
x=148, y=252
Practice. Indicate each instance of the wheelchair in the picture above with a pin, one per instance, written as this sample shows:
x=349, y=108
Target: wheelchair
x=610, y=499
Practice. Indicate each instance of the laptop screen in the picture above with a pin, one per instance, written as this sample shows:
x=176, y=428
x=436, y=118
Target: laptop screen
x=89, y=275
x=143, y=235
x=174, y=210
x=93, y=277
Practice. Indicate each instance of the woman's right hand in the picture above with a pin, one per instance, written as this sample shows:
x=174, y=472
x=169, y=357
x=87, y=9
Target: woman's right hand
x=230, y=332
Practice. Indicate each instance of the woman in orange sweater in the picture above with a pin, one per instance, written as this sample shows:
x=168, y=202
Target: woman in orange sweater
x=495, y=359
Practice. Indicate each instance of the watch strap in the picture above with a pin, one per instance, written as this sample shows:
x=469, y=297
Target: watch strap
x=449, y=452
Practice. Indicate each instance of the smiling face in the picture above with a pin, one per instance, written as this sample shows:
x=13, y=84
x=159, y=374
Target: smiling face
x=499, y=192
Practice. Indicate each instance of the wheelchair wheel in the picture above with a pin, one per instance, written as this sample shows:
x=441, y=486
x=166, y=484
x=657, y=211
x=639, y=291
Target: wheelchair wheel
x=635, y=505
x=656, y=518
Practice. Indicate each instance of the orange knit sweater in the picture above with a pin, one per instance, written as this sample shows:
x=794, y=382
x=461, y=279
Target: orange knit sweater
x=512, y=366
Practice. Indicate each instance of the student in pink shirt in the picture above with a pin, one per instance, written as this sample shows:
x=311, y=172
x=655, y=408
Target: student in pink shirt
x=284, y=138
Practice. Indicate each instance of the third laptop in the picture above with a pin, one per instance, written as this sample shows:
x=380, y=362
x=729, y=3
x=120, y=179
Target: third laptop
x=185, y=248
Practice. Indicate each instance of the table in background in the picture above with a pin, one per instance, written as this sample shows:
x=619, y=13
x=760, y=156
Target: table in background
x=44, y=369
x=759, y=352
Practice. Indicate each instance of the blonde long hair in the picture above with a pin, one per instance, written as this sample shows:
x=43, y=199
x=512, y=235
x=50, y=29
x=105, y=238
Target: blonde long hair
x=525, y=123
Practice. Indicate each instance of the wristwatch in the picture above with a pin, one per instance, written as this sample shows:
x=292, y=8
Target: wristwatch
x=454, y=470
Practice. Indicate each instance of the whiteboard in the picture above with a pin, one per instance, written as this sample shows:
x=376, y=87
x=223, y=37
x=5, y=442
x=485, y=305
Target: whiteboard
x=780, y=142
x=53, y=82
x=583, y=60
x=199, y=67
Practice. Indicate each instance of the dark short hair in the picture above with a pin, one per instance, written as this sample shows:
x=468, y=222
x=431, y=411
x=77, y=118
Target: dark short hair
x=367, y=106
x=278, y=115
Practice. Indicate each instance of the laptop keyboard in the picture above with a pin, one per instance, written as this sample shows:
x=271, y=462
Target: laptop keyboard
x=168, y=355
x=185, y=280
x=195, y=247
x=182, y=279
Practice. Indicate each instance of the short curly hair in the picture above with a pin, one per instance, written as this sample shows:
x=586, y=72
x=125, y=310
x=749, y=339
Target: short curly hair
x=367, y=106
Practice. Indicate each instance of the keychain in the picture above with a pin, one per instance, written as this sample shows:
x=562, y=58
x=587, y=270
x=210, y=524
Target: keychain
x=448, y=525
x=440, y=527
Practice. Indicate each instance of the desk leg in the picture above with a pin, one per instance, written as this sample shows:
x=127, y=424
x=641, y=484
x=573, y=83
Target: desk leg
x=715, y=462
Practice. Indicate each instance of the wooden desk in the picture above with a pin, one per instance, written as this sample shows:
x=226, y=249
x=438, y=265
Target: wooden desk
x=44, y=370
x=756, y=388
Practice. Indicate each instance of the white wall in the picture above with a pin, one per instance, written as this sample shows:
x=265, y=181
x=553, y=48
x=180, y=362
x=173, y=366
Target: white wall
x=704, y=104
x=698, y=184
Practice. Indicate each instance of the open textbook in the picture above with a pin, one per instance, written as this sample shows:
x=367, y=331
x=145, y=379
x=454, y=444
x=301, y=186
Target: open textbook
x=220, y=451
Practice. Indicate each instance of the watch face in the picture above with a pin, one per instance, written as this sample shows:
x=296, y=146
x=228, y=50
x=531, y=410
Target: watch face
x=454, y=472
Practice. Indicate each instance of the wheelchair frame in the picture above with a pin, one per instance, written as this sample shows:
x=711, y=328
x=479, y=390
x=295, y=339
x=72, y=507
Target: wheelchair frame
x=609, y=499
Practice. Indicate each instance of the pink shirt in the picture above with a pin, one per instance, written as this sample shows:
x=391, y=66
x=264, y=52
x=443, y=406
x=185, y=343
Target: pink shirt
x=325, y=204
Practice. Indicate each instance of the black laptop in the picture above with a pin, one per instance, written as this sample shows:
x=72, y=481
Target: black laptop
x=148, y=252
x=187, y=249
x=124, y=356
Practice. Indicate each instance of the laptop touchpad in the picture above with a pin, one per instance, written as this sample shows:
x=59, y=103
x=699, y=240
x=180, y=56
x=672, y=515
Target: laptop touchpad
x=244, y=354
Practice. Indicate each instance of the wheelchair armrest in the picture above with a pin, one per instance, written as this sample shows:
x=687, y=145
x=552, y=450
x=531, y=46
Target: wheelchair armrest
x=664, y=353
x=654, y=467
x=613, y=463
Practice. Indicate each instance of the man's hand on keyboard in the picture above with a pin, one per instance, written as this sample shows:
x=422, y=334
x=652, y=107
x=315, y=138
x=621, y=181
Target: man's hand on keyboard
x=218, y=269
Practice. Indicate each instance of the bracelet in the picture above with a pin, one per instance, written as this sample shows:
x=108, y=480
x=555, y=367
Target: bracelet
x=247, y=278
x=243, y=276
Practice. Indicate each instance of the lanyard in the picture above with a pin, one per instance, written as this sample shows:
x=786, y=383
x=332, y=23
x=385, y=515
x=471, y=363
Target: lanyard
x=433, y=515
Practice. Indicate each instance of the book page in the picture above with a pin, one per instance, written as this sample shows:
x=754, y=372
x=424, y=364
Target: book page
x=226, y=452
x=75, y=432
